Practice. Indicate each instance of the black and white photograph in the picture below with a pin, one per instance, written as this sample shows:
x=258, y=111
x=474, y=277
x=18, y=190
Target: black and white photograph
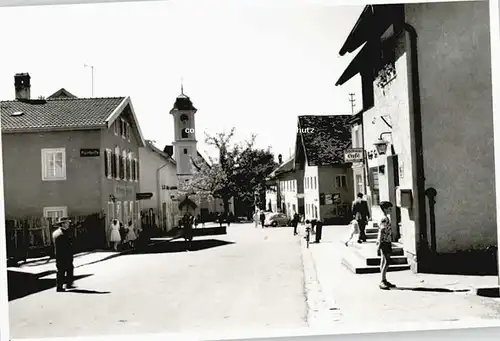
x=224, y=168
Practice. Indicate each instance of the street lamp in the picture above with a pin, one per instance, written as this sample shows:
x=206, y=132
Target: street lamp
x=381, y=144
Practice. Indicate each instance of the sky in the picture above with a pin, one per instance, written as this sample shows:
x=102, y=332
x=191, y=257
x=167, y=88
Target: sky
x=248, y=66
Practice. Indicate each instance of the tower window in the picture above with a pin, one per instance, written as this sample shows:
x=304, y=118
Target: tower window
x=184, y=133
x=184, y=118
x=185, y=151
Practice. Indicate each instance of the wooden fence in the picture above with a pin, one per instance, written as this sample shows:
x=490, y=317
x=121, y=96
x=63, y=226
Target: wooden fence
x=32, y=237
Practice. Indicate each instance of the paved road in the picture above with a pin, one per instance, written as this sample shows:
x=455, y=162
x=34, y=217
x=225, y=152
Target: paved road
x=253, y=281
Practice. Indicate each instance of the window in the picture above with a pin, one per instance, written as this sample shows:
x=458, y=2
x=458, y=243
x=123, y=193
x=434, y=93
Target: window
x=136, y=170
x=315, y=182
x=111, y=210
x=341, y=181
x=184, y=133
x=129, y=167
x=125, y=213
x=117, y=163
x=128, y=132
x=54, y=164
x=55, y=212
x=123, y=164
x=116, y=127
x=359, y=184
x=131, y=212
x=107, y=163
x=118, y=206
x=357, y=140
x=374, y=185
x=185, y=151
x=138, y=211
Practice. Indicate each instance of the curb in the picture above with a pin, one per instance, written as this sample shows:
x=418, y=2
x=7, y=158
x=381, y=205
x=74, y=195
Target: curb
x=319, y=314
x=491, y=292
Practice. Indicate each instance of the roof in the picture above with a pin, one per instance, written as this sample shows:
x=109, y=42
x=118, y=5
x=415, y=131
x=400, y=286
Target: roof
x=62, y=93
x=324, y=145
x=65, y=114
x=183, y=102
x=362, y=61
x=150, y=146
x=285, y=167
x=372, y=23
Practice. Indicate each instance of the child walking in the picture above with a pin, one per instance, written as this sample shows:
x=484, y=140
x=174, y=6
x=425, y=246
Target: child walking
x=355, y=231
x=384, y=244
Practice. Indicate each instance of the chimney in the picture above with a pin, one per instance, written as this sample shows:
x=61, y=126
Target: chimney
x=280, y=159
x=169, y=150
x=22, y=85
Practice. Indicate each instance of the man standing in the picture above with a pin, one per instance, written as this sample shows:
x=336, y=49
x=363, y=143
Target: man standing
x=295, y=222
x=64, y=254
x=361, y=213
x=262, y=218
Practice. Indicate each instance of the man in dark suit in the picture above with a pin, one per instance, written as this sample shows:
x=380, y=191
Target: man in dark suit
x=361, y=213
x=64, y=254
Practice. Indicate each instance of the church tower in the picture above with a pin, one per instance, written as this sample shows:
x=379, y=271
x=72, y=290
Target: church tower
x=183, y=113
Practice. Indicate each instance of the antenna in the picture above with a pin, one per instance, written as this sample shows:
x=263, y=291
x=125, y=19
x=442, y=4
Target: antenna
x=353, y=101
x=92, y=69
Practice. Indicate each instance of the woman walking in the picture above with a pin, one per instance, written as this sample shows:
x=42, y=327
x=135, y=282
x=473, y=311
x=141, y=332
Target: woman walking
x=131, y=235
x=115, y=237
x=384, y=244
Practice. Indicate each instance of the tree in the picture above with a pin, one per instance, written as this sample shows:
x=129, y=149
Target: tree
x=239, y=172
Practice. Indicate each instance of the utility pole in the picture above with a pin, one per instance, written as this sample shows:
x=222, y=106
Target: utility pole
x=353, y=102
x=92, y=69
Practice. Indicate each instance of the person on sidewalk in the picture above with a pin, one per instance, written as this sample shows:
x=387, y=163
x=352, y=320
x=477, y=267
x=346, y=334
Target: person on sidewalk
x=115, y=237
x=361, y=213
x=262, y=218
x=295, y=223
x=384, y=244
x=256, y=218
x=131, y=236
x=354, y=231
x=63, y=249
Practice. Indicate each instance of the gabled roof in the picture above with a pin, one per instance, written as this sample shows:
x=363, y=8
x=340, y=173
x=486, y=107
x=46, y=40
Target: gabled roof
x=62, y=93
x=202, y=158
x=285, y=167
x=21, y=116
x=325, y=143
x=150, y=146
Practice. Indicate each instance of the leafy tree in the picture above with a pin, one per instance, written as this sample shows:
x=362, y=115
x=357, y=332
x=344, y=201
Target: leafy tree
x=239, y=172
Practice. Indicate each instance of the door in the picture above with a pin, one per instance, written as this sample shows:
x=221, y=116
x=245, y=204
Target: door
x=393, y=183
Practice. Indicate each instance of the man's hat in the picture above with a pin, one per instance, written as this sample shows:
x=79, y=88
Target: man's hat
x=62, y=220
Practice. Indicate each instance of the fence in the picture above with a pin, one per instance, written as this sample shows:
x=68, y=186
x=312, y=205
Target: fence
x=32, y=237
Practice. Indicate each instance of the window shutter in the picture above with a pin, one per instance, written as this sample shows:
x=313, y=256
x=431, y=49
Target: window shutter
x=113, y=165
x=121, y=167
x=137, y=169
x=106, y=170
x=133, y=169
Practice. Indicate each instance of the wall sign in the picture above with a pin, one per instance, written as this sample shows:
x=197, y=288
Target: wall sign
x=353, y=155
x=92, y=152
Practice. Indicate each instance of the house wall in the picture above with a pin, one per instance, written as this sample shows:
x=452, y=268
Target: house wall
x=392, y=103
x=327, y=185
x=26, y=194
x=123, y=190
x=311, y=192
x=289, y=193
x=272, y=197
x=456, y=99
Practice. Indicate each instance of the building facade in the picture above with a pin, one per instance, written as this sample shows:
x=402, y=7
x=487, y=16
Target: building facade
x=80, y=155
x=327, y=180
x=428, y=99
x=159, y=177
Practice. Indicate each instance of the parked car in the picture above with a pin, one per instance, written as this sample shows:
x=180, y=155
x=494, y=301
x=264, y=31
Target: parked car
x=276, y=219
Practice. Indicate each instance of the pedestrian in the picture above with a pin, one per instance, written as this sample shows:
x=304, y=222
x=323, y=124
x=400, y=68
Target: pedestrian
x=384, y=244
x=115, y=237
x=295, y=223
x=256, y=218
x=131, y=235
x=354, y=231
x=230, y=218
x=63, y=249
x=361, y=213
x=262, y=218
x=188, y=230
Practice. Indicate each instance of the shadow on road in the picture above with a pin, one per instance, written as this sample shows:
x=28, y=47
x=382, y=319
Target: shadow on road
x=22, y=284
x=86, y=291
x=444, y=290
x=181, y=246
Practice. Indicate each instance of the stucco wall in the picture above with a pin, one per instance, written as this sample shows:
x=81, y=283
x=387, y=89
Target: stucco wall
x=392, y=103
x=327, y=184
x=311, y=195
x=25, y=194
x=456, y=98
x=289, y=196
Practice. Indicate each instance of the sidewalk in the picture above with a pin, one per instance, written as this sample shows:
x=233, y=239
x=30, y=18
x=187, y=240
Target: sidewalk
x=336, y=295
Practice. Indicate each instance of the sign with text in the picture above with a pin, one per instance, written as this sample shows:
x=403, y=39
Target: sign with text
x=353, y=155
x=92, y=152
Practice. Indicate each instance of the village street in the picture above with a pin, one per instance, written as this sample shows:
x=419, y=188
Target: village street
x=255, y=283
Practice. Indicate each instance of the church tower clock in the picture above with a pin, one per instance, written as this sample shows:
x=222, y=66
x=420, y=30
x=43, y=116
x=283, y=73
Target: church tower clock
x=183, y=113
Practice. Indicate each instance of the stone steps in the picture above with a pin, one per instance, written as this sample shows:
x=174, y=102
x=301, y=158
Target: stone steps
x=363, y=258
